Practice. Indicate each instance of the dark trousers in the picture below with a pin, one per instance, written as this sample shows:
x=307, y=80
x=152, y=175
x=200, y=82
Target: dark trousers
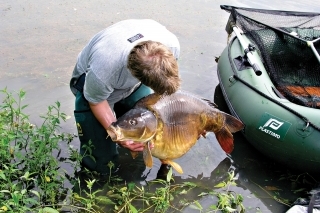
x=90, y=131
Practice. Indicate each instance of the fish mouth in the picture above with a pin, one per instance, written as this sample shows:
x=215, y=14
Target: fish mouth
x=114, y=132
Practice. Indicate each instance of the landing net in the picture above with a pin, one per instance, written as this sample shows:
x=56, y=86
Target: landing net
x=289, y=44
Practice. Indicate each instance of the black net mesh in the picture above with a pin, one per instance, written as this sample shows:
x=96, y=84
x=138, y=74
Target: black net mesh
x=281, y=39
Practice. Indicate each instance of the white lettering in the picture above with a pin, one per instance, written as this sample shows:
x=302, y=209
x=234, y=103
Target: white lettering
x=269, y=132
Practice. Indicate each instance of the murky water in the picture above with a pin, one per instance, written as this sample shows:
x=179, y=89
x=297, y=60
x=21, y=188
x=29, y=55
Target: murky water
x=39, y=43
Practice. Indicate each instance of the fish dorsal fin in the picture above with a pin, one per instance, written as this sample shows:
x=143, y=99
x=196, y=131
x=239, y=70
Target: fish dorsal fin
x=176, y=166
x=210, y=103
x=147, y=157
x=233, y=124
x=149, y=100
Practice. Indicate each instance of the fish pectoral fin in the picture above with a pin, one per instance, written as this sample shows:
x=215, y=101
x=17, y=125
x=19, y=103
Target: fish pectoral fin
x=147, y=157
x=176, y=166
x=225, y=139
x=134, y=154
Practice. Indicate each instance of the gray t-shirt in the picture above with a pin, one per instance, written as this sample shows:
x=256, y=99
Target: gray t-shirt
x=104, y=58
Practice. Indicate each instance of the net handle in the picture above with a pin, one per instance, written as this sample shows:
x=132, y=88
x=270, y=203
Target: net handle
x=245, y=46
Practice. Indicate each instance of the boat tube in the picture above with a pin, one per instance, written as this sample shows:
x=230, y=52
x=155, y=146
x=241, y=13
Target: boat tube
x=270, y=79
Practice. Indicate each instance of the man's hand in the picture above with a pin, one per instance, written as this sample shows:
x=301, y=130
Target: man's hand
x=132, y=146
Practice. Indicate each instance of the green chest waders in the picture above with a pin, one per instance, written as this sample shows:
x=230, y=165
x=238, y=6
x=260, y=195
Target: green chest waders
x=104, y=149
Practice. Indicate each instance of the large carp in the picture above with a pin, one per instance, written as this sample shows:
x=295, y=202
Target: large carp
x=173, y=124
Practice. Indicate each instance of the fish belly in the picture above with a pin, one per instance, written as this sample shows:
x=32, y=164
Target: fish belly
x=174, y=142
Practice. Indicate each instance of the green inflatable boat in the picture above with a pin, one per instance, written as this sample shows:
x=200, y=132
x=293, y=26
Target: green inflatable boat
x=270, y=79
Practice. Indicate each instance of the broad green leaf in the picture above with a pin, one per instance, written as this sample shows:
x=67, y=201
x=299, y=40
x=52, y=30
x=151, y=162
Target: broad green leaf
x=169, y=175
x=2, y=176
x=26, y=175
x=190, y=184
x=229, y=209
x=220, y=185
x=48, y=210
x=171, y=198
x=35, y=193
x=15, y=197
x=131, y=186
x=183, y=192
x=202, y=194
x=231, y=175
x=24, y=106
x=198, y=205
x=213, y=207
x=133, y=209
x=23, y=191
x=31, y=201
x=104, y=200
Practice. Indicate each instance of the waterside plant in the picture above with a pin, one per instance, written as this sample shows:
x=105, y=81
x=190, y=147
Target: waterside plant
x=33, y=179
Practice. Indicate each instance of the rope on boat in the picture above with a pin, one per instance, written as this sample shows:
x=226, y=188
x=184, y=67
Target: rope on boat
x=309, y=123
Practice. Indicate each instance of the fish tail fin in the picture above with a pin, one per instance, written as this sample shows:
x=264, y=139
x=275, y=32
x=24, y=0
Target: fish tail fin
x=225, y=139
x=176, y=166
x=224, y=135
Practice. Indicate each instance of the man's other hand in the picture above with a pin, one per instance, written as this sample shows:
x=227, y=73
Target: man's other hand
x=132, y=146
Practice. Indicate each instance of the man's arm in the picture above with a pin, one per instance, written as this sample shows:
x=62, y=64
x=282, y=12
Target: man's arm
x=104, y=114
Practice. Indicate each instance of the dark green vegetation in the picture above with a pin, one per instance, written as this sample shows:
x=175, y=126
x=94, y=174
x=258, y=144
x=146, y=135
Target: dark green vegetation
x=32, y=178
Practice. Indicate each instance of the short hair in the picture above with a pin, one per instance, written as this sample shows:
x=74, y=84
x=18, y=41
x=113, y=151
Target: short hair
x=154, y=65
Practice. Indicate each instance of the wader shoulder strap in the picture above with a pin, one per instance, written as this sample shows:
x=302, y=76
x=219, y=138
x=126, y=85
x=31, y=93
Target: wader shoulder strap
x=80, y=83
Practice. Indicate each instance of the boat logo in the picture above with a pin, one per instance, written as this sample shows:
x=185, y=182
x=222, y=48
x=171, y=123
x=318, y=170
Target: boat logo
x=273, y=126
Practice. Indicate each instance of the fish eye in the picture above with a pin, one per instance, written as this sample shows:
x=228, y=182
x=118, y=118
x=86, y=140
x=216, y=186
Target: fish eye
x=132, y=122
